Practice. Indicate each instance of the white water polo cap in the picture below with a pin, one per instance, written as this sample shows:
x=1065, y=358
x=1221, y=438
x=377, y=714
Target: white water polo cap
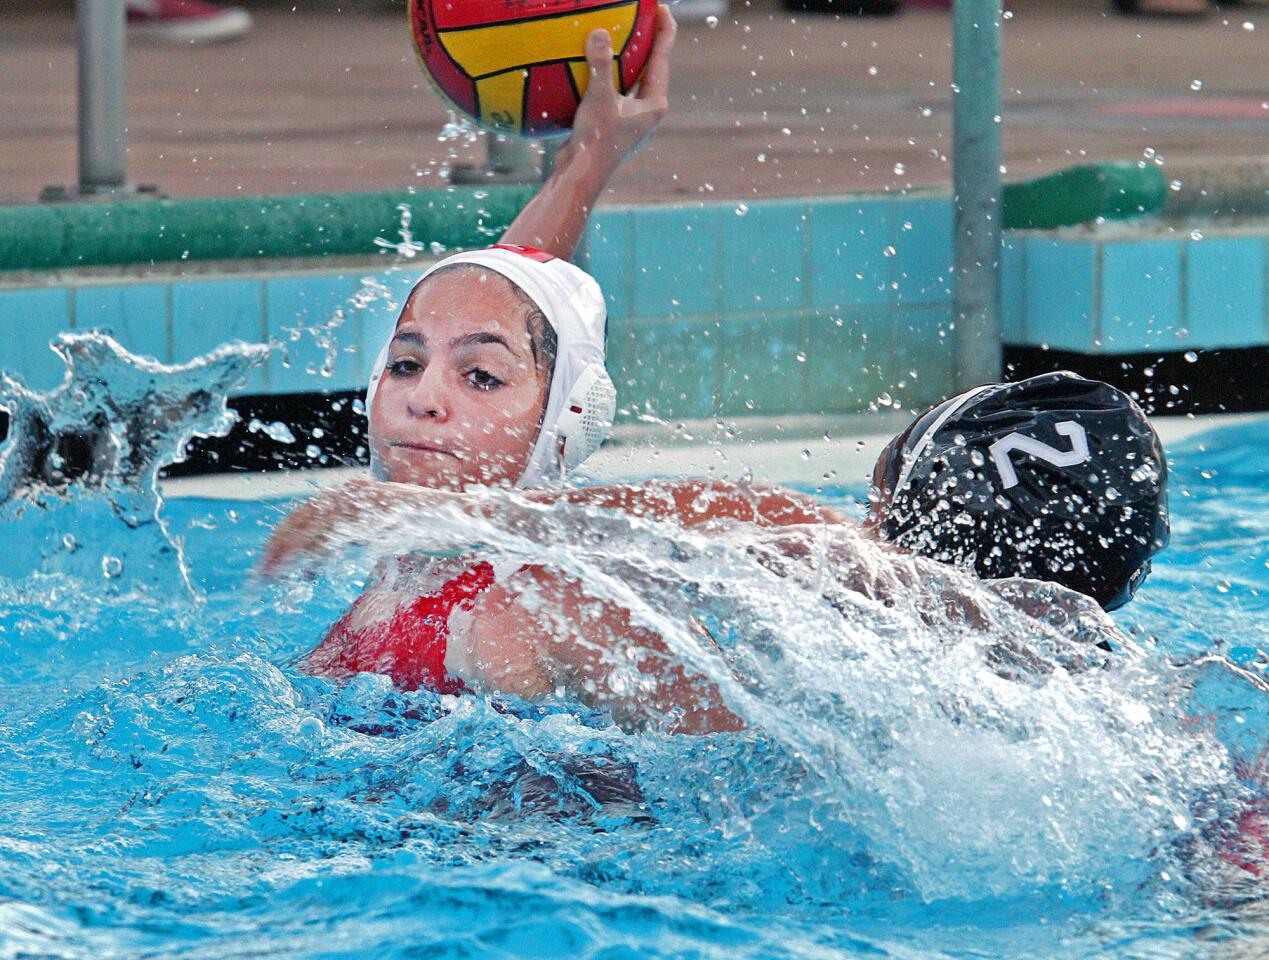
x=582, y=400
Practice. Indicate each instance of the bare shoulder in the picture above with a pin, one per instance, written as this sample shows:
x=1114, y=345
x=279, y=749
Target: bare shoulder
x=498, y=644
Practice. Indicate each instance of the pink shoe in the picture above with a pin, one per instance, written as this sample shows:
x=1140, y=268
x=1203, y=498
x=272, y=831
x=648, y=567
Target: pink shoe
x=185, y=21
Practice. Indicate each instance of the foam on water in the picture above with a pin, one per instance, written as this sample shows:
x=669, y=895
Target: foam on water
x=932, y=766
x=977, y=757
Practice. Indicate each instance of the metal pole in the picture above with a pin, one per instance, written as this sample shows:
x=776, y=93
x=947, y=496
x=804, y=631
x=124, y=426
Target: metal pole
x=101, y=96
x=977, y=188
x=511, y=160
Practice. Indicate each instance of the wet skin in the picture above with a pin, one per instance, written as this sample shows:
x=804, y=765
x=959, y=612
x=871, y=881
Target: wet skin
x=461, y=398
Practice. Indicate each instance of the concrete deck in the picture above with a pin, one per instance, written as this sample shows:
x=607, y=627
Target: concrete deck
x=811, y=451
x=764, y=104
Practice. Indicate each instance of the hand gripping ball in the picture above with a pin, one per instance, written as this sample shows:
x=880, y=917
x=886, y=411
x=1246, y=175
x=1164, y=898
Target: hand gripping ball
x=519, y=66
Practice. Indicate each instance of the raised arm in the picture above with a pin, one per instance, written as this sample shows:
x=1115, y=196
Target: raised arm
x=608, y=128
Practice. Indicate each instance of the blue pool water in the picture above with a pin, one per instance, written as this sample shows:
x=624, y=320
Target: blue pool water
x=171, y=784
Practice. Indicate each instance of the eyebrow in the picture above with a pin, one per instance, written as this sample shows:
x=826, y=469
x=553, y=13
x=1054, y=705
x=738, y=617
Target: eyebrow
x=479, y=338
x=483, y=337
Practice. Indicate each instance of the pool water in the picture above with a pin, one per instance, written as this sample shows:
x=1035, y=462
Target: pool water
x=171, y=783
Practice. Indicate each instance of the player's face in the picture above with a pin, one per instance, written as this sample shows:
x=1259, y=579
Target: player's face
x=461, y=397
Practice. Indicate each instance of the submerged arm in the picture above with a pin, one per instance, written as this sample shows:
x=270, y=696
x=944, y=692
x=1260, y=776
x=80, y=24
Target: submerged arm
x=544, y=631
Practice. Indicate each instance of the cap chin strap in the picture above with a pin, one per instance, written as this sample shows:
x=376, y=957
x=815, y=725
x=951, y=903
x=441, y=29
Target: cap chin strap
x=587, y=416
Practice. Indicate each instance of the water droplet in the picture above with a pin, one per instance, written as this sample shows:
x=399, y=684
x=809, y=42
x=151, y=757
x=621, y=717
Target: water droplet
x=312, y=451
x=70, y=543
x=926, y=112
x=1248, y=26
x=711, y=22
x=900, y=169
x=111, y=567
x=1191, y=356
x=806, y=454
x=742, y=209
x=1174, y=186
x=1196, y=234
x=889, y=251
x=1196, y=85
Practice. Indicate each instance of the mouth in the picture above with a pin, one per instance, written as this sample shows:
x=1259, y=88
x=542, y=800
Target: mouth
x=422, y=449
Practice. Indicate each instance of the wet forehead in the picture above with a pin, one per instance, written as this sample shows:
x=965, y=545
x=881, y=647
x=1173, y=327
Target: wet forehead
x=465, y=308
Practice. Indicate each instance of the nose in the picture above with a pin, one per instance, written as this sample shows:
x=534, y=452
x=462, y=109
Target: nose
x=429, y=398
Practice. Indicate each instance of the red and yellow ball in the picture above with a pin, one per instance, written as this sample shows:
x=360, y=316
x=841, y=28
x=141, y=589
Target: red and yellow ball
x=519, y=66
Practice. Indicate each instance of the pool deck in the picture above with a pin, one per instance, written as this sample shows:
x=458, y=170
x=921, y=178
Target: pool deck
x=765, y=104
x=807, y=451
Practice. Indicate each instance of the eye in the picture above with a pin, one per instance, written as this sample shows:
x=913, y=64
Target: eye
x=483, y=379
x=403, y=367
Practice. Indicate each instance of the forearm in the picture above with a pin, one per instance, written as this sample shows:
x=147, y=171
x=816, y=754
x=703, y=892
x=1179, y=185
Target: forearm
x=608, y=127
x=556, y=218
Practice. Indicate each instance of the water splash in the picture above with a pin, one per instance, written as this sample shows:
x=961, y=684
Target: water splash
x=971, y=737
x=100, y=437
x=184, y=787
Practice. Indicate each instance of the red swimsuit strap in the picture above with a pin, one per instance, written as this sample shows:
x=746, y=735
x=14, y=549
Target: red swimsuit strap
x=410, y=645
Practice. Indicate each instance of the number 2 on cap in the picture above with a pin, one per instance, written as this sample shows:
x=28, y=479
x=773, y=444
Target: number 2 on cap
x=1078, y=453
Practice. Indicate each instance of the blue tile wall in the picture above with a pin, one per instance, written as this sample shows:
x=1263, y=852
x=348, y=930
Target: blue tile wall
x=668, y=368
x=819, y=305
x=135, y=314
x=848, y=363
x=1141, y=297
x=29, y=319
x=1013, y=290
x=762, y=368
x=1225, y=292
x=606, y=256
x=311, y=305
x=1060, y=293
x=924, y=356
x=763, y=257
x=848, y=244
x=207, y=313
x=923, y=250
x=675, y=257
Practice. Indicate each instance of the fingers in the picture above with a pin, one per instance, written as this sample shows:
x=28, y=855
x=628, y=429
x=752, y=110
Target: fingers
x=656, y=76
x=599, y=59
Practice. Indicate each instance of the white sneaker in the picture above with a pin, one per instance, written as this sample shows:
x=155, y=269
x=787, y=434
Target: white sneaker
x=185, y=21
x=698, y=11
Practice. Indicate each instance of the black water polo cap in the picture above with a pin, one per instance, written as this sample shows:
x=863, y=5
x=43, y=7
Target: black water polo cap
x=1055, y=478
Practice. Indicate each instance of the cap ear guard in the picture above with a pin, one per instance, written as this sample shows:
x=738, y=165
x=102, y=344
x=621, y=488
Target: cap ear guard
x=587, y=416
